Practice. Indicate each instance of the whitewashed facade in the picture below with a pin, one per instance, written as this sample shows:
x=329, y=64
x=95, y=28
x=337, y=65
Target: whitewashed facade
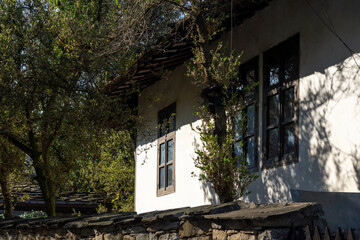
x=328, y=123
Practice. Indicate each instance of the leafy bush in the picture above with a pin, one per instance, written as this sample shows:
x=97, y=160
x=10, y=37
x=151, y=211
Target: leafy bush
x=219, y=165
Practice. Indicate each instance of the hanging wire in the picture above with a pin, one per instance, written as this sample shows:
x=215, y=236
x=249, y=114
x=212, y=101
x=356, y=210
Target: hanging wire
x=331, y=28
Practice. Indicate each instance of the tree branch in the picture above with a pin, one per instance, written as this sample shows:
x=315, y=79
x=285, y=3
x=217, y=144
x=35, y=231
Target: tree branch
x=182, y=7
x=17, y=143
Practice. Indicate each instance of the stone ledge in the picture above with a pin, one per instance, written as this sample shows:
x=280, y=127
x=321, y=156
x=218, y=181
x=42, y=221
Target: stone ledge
x=232, y=220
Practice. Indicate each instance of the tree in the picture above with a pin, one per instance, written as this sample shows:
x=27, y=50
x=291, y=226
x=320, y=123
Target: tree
x=216, y=72
x=12, y=160
x=227, y=172
x=109, y=169
x=51, y=80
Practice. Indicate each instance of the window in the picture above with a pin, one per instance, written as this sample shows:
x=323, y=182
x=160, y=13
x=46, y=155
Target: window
x=246, y=122
x=166, y=151
x=281, y=74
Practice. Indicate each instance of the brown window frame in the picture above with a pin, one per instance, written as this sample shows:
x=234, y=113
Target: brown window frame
x=168, y=114
x=281, y=53
x=250, y=98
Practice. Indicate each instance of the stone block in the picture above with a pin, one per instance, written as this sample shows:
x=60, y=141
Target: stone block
x=29, y=237
x=142, y=236
x=200, y=238
x=153, y=236
x=134, y=229
x=186, y=230
x=69, y=235
x=99, y=237
x=231, y=232
x=112, y=236
x=11, y=236
x=274, y=234
x=129, y=237
x=164, y=226
x=192, y=229
x=50, y=238
x=241, y=236
x=219, y=234
x=169, y=236
x=216, y=226
x=158, y=233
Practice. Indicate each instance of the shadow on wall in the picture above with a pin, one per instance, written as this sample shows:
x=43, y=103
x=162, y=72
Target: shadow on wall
x=330, y=128
x=208, y=191
x=329, y=125
x=329, y=159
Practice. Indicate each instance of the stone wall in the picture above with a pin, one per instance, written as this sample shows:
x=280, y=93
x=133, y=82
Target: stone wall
x=230, y=221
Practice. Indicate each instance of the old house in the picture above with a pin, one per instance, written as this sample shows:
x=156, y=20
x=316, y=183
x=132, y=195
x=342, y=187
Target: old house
x=304, y=117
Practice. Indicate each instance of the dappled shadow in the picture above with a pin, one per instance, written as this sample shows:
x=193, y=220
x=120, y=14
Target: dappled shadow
x=209, y=194
x=329, y=139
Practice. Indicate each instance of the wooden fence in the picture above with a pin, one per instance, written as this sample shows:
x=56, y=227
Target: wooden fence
x=296, y=233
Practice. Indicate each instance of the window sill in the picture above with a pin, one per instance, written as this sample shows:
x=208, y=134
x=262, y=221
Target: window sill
x=163, y=192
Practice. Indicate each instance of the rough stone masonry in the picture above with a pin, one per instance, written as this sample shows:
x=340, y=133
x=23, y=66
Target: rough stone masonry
x=230, y=221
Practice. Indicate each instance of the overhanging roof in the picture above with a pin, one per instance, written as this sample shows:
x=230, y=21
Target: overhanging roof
x=172, y=52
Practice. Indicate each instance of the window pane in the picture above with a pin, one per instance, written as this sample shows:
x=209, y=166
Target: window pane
x=169, y=175
x=162, y=177
x=291, y=65
x=250, y=118
x=288, y=104
x=162, y=154
x=273, y=143
x=273, y=106
x=238, y=149
x=238, y=128
x=170, y=151
x=162, y=129
x=250, y=149
x=171, y=122
x=250, y=77
x=274, y=74
x=289, y=139
x=167, y=120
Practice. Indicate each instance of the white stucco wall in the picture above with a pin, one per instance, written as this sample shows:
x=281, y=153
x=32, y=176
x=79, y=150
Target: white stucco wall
x=329, y=100
x=189, y=191
x=329, y=117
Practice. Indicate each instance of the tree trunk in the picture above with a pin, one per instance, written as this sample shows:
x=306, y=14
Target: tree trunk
x=46, y=184
x=204, y=46
x=224, y=189
x=8, y=206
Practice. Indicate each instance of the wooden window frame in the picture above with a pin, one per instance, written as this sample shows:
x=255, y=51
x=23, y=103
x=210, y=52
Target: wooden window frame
x=250, y=99
x=278, y=89
x=164, y=139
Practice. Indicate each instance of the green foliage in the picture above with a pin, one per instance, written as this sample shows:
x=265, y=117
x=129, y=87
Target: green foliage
x=227, y=173
x=53, y=75
x=110, y=170
x=75, y=213
x=12, y=170
x=101, y=209
x=33, y=214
